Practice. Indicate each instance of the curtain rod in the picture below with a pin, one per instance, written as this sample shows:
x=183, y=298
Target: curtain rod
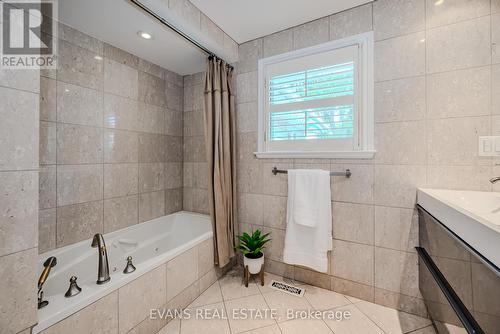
x=188, y=38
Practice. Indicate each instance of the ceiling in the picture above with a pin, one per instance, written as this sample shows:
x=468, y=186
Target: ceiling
x=117, y=22
x=245, y=20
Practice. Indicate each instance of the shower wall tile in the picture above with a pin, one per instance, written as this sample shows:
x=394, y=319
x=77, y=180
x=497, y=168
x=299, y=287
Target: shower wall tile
x=79, y=105
x=80, y=39
x=495, y=38
x=173, y=200
x=77, y=144
x=79, y=66
x=120, y=180
x=174, y=123
x=312, y=33
x=79, y=184
x=120, y=56
x=19, y=211
x=353, y=261
x=120, y=79
x=47, y=187
x=120, y=212
x=450, y=12
x=48, y=143
x=78, y=222
x=396, y=228
x=353, y=222
x=150, y=68
x=120, y=113
x=175, y=96
x=451, y=47
x=19, y=128
x=151, y=177
x=351, y=22
x=26, y=80
x=277, y=43
x=19, y=292
x=211, y=30
x=151, y=119
x=121, y=146
x=48, y=89
x=173, y=146
x=151, y=89
x=150, y=148
x=394, y=18
x=174, y=175
x=396, y=271
x=151, y=205
x=46, y=230
x=250, y=53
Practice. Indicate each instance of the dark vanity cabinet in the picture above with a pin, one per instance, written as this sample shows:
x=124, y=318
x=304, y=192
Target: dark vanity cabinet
x=459, y=286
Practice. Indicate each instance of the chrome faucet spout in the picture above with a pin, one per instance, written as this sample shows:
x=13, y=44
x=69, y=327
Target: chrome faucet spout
x=495, y=179
x=103, y=269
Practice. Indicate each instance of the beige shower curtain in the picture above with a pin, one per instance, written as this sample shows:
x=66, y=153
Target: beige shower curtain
x=220, y=148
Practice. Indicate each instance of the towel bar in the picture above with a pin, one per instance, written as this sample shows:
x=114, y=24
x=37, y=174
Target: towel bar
x=347, y=172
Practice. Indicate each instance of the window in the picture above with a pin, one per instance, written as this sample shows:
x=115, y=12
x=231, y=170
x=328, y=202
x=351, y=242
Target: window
x=318, y=102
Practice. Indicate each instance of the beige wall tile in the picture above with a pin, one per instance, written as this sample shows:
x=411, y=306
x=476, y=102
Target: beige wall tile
x=79, y=66
x=246, y=144
x=19, y=128
x=80, y=39
x=274, y=248
x=400, y=57
x=393, y=18
x=78, y=222
x=148, y=148
x=495, y=6
x=120, y=56
x=413, y=305
x=174, y=123
x=174, y=175
x=46, y=230
x=182, y=271
x=460, y=45
x=120, y=79
x=400, y=100
x=25, y=79
x=194, y=149
x=150, y=68
x=274, y=211
x=102, y=316
x=79, y=105
x=47, y=187
x=211, y=30
x=173, y=200
x=48, y=89
x=151, y=177
x=174, y=149
x=120, y=212
x=312, y=33
x=151, y=89
x=79, y=183
x=274, y=184
x=278, y=43
x=151, y=205
x=48, y=143
x=495, y=38
x=495, y=86
x=194, y=123
x=121, y=146
x=397, y=185
x=459, y=177
x=77, y=144
x=351, y=22
x=120, y=180
x=120, y=113
x=251, y=208
x=396, y=228
x=246, y=87
x=138, y=297
x=353, y=261
x=174, y=96
x=396, y=271
x=186, y=11
x=453, y=141
x=246, y=117
x=314, y=278
x=356, y=189
x=455, y=11
x=193, y=97
x=248, y=177
x=353, y=222
x=354, y=289
x=19, y=292
x=205, y=257
x=19, y=211
x=459, y=93
x=250, y=53
x=400, y=143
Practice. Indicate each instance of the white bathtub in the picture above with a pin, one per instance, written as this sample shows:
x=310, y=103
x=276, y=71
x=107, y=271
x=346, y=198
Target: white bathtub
x=150, y=244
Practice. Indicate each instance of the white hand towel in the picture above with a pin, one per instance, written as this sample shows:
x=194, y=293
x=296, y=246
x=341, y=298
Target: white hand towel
x=307, y=243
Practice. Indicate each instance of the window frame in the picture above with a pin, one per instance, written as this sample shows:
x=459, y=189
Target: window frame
x=365, y=101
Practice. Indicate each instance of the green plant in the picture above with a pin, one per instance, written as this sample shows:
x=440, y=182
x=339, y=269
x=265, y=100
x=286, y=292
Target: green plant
x=252, y=246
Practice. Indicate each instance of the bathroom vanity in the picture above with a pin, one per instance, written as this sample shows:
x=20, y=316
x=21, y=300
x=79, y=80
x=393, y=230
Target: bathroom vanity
x=459, y=255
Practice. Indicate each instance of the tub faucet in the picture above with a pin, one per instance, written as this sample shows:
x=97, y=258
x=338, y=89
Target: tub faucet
x=495, y=179
x=103, y=269
x=47, y=266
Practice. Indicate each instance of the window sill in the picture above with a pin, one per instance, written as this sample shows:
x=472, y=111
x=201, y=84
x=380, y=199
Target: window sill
x=317, y=155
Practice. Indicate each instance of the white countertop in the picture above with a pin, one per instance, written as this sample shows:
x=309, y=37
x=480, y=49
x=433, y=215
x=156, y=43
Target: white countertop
x=472, y=215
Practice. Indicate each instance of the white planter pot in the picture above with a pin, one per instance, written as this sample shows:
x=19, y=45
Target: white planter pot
x=254, y=265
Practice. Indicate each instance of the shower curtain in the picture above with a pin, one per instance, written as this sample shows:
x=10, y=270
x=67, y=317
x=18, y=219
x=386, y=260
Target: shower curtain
x=220, y=148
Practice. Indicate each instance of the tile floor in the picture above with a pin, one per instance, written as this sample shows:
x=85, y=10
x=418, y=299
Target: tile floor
x=228, y=294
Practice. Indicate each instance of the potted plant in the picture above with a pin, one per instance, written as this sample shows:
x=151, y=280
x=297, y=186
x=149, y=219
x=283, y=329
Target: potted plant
x=252, y=248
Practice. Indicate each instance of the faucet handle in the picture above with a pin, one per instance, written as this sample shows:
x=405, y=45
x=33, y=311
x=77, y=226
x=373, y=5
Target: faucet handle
x=73, y=289
x=129, y=268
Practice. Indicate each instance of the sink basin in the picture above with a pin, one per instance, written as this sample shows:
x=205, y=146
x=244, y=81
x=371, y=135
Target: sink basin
x=484, y=205
x=474, y=216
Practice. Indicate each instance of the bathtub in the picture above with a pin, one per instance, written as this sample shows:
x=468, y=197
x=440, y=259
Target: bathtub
x=150, y=244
